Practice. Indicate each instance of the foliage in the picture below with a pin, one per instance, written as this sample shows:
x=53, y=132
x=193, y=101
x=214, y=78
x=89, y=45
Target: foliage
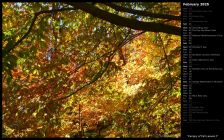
x=75, y=75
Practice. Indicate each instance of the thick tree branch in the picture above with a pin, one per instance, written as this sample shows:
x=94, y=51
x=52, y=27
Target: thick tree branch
x=142, y=13
x=10, y=48
x=121, y=21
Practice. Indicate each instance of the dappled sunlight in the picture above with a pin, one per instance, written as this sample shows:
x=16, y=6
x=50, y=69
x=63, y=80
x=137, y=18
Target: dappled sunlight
x=71, y=73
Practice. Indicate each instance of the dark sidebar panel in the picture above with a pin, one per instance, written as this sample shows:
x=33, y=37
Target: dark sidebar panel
x=202, y=70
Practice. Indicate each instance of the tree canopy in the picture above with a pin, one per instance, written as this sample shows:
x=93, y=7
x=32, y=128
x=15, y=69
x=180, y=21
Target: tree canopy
x=91, y=69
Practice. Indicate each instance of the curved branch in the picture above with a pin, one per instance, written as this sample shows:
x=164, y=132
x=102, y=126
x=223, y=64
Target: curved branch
x=95, y=78
x=10, y=48
x=142, y=13
x=122, y=21
x=105, y=66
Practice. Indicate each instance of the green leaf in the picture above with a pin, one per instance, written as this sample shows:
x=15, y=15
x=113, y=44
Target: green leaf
x=9, y=80
x=21, y=61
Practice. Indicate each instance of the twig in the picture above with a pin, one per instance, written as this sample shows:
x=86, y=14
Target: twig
x=170, y=77
x=104, y=68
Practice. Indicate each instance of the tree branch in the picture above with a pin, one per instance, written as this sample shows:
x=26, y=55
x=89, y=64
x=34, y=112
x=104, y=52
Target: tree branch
x=104, y=68
x=122, y=21
x=142, y=13
x=170, y=77
x=10, y=48
x=95, y=78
